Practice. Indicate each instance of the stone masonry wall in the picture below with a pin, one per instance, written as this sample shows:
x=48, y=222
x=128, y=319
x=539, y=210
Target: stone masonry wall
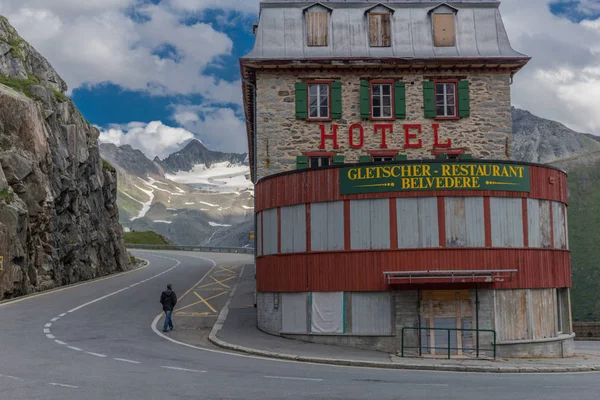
x=282, y=137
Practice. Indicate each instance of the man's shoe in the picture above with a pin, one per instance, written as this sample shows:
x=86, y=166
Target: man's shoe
x=172, y=328
x=166, y=331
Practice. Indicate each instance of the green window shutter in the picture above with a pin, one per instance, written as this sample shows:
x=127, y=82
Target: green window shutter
x=338, y=160
x=464, y=99
x=441, y=156
x=400, y=99
x=401, y=157
x=365, y=159
x=365, y=99
x=301, y=101
x=429, y=99
x=336, y=100
x=466, y=157
x=301, y=162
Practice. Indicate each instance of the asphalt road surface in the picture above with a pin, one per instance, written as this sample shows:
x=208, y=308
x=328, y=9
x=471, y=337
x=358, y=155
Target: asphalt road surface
x=95, y=341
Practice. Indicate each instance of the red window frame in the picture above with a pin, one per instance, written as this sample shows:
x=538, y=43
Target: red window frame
x=321, y=154
x=383, y=153
x=455, y=82
x=390, y=82
x=318, y=82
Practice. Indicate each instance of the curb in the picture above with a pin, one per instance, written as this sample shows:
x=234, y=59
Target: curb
x=214, y=339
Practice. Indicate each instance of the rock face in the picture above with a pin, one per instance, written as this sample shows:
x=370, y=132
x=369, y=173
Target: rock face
x=58, y=213
x=196, y=153
x=542, y=141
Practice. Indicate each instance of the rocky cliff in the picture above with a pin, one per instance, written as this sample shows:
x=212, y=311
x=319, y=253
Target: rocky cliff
x=58, y=213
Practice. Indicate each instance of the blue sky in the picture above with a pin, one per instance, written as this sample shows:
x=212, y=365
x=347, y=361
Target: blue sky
x=156, y=73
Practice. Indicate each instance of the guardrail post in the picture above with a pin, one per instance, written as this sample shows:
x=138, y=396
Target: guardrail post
x=403, y=341
x=448, y=344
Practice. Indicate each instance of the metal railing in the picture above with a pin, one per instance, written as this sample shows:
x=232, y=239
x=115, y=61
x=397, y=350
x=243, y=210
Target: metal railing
x=449, y=348
x=204, y=249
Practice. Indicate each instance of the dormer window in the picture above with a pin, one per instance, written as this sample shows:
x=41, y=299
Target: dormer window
x=444, y=25
x=380, y=26
x=317, y=25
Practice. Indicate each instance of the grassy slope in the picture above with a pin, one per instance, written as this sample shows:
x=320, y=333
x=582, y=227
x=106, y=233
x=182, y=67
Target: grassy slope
x=145, y=238
x=584, y=236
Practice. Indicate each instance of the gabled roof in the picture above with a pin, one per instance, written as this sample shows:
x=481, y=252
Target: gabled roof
x=318, y=4
x=381, y=5
x=443, y=5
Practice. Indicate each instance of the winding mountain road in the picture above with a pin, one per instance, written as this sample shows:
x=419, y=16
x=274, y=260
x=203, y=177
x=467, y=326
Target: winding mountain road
x=94, y=341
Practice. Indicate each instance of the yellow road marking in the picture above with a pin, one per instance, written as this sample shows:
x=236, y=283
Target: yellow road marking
x=205, y=302
x=227, y=269
x=220, y=282
x=197, y=283
x=198, y=302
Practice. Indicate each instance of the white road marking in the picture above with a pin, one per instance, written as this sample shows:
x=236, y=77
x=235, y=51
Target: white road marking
x=60, y=342
x=62, y=315
x=63, y=385
x=46, y=330
x=16, y=378
x=96, y=354
x=122, y=290
x=183, y=369
x=294, y=379
x=50, y=336
x=54, y=319
x=48, y=325
x=75, y=348
x=127, y=361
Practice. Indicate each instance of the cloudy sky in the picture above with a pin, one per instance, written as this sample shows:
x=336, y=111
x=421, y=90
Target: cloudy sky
x=155, y=73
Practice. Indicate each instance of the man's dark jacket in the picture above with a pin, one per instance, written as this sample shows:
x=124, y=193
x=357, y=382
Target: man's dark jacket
x=168, y=299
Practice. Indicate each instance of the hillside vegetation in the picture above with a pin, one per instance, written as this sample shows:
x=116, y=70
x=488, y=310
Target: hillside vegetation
x=148, y=237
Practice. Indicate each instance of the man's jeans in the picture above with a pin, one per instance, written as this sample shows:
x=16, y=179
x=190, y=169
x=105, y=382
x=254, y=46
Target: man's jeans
x=168, y=322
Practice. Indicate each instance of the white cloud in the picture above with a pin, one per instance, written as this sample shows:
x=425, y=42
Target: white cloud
x=153, y=139
x=250, y=6
x=219, y=128
x=561, y=81
x=92, y=42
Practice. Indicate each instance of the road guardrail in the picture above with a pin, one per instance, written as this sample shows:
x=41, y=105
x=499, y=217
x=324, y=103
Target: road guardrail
x=203, y=249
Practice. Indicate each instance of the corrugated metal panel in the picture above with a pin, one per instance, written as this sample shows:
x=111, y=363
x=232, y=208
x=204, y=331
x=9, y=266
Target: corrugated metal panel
x=327, y=226
x=507, y=222
x=429, y=235
x=477, y=37
x=475, y=222
x=360, y=271
x=371, y=313
x=567, y=226
x=270, y=231
x=465, y=222
x=544, y=315
x=558, y=222
x=369, y=224
x=258, y=235
x=291, y=189
x=293, y=229
x=294, y=312
x=538, y=222
x=408, y=219
x=511, y=323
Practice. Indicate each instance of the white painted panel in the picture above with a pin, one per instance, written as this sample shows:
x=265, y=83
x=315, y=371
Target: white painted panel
x=533, y=223
x=327, y=312
x=270, y=231
x=408, y=222
x=360, y=224
x=258, y=235
x=380, y=224
x=327, y=226
x=558, y=222
x=294, y=312
x=475, y=222
x=429, y=235
x=507, y=222
x=371, y=313
x=456, y=222
x=293, y=229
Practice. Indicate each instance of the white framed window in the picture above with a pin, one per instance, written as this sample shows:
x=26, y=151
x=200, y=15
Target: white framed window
x=318, y=100
x=446, y=99
x=317, y=162
x=381, y=100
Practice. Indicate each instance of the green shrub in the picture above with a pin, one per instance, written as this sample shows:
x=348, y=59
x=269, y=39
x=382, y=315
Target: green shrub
x=107, y=166
x=20, y=85
x=7, y=195
x=148, y=237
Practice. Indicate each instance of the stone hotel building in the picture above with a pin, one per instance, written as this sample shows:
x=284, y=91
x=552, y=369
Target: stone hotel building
x=388, y=213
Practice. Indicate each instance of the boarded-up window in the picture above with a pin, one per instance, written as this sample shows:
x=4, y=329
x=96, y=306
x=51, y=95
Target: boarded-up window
x=443, y=30
x=317, y=26
x=380, y=34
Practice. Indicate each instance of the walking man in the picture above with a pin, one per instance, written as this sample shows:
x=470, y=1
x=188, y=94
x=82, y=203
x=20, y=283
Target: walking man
x=168, y=299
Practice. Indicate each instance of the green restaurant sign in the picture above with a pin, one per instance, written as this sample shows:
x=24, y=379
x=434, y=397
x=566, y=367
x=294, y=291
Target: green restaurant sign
x=434, y=176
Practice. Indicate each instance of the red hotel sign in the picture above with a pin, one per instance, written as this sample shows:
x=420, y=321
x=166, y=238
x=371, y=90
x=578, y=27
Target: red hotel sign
x=356, y=136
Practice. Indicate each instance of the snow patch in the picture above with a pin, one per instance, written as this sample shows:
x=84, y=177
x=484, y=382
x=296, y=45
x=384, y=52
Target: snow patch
x=247, y=208
x=215, y=224
x=220, y=176
x=145, y=206
x=208, y=204
x=158, y=221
